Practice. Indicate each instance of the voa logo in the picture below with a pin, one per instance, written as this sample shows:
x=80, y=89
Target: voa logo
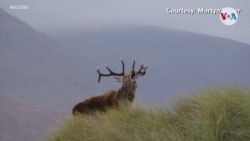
x=228, y=16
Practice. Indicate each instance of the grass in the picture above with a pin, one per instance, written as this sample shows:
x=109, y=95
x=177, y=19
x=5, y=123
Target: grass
x=221, y=114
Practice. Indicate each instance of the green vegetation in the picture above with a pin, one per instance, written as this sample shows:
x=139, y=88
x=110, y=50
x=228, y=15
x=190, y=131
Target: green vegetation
x=209, y=115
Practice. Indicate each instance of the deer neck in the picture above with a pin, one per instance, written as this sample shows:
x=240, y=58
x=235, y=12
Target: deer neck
x=127, y=92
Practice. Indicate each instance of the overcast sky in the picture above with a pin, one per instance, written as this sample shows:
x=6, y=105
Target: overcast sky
x=46, y=15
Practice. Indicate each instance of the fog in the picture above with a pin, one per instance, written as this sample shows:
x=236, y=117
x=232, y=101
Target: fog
x=54, y=15
x=42, y=76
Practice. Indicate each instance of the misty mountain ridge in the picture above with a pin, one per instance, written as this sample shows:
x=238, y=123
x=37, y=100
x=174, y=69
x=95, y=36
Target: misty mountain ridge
x=35, y=73
x=35, y=65
x=121, y=30
x=42, y=76
x=179, y=62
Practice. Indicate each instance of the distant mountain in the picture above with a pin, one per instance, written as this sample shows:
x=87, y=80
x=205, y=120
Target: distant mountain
x=38, y=81
x=179, y=62
x=31, y=64
x=41, y=79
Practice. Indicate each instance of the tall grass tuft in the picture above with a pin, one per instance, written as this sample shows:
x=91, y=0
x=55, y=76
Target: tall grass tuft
x=220, y=114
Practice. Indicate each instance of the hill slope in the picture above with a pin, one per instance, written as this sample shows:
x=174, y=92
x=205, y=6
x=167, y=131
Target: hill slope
x=212, y=115
x=37, y=77
x=34, y=67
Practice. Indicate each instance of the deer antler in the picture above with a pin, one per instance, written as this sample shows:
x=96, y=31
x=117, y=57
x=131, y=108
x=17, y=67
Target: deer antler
x=133, y=66
x=142, y=70
x=111, y=73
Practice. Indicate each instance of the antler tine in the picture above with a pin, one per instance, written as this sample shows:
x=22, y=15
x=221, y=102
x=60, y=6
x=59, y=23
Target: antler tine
x=142, y=69
x=98, y=71
x=133, y=66
x=110, y=71
x=123, y=67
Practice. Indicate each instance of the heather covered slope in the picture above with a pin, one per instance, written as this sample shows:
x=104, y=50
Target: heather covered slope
x=22, y=122
x=209, y=115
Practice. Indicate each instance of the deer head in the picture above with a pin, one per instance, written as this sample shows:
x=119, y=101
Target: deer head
x=129, y=85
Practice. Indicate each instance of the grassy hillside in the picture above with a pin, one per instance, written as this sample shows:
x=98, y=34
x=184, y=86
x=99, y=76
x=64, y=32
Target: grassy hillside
x=209, y=115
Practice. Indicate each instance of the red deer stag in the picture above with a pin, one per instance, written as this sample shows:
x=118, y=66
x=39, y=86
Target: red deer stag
x=112, y=98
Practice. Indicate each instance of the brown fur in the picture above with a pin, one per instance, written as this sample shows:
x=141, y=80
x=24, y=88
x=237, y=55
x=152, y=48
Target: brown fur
x=99, y=103
x=111, y=99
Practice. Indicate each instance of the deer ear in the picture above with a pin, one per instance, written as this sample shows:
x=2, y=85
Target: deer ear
x=119, y=78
